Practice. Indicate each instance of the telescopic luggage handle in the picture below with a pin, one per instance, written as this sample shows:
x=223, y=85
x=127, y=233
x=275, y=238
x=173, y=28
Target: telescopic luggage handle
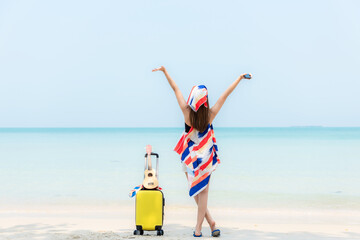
x=155, y=154
x=157, y=163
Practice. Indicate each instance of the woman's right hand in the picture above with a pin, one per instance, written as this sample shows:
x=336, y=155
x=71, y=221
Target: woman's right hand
x=242, y=76
x=162, y=68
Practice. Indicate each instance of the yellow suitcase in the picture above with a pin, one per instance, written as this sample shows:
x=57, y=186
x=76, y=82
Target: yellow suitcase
x=149, y=211
x=149, y=201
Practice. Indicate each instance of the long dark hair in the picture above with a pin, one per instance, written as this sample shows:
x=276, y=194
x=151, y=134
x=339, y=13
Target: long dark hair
x=200, y=119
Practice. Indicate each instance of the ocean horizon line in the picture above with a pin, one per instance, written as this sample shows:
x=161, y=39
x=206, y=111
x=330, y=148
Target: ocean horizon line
x=149, y=127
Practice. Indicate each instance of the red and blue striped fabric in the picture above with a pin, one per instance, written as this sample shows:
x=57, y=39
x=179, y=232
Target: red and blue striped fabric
x=197, y=97
x=133, y=192
x=198, y=152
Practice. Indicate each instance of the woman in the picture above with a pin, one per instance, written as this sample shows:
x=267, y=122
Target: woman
x=197, y=145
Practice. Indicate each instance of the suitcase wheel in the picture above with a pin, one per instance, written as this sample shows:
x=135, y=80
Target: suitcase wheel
x=160, y=232
x=138, y=232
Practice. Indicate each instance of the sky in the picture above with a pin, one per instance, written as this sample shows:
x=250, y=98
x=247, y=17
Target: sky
x=88, y=63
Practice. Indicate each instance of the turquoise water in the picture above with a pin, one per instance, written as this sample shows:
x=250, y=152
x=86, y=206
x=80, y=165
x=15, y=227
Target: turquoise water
x=260, y=167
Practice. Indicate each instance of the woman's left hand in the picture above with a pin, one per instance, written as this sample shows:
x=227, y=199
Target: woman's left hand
x=162, y=68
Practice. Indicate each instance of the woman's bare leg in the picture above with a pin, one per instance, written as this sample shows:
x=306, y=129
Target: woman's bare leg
x=202, y=206
x=208, y=217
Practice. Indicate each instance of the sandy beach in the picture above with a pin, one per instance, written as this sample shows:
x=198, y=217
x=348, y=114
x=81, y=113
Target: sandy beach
x=69, y=184
x=117, y=222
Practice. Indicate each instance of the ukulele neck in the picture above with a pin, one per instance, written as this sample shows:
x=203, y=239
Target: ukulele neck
x=148, y=151
x=149, y=162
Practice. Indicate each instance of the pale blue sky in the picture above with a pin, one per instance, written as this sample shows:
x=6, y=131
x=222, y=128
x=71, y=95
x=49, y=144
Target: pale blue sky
x=88, y=63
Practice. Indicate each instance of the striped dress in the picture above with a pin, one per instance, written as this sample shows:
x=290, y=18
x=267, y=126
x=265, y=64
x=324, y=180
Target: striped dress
x=198, y=151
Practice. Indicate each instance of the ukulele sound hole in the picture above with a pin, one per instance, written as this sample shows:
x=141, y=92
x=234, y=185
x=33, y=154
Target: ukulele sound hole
x=150, y=175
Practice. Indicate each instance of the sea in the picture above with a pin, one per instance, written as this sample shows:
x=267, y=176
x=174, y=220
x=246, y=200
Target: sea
x=292, y=167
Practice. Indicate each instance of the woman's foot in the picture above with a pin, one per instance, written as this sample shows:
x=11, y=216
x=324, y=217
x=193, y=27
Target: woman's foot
x=214, y=232
x=212, y=226
x=197, y=232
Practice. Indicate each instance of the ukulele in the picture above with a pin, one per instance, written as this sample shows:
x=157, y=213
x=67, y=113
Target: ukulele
x=150, y=180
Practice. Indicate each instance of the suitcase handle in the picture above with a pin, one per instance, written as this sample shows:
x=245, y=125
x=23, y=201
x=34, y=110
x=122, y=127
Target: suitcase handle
x=155, y=154
x=157, y=163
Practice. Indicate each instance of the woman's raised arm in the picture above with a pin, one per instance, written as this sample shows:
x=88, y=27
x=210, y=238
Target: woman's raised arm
x=178, y=94
x=220, y=102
